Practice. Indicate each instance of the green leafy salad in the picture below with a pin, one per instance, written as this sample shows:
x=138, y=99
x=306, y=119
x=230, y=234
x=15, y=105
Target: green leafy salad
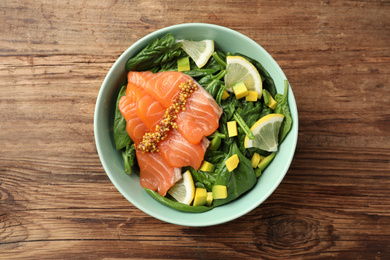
x=255, y=120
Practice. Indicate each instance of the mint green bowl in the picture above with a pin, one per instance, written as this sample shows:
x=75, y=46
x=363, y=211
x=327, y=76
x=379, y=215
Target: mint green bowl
x=128, y=185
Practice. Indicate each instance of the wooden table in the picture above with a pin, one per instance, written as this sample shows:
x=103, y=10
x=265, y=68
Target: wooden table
x=56, y=200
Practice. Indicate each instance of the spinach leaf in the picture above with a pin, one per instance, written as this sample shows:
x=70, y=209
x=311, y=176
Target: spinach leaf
x=265, y=110
x=238, y=181
x=220, y=60
x=212, y=83
x=203, y=179
x=240, y=141
x=121, y=137
x=268, y=82
x=251, y=112
x=283, y=108
x=214, y=157
x=216, y=61
x=228, y=112
x=213, y=88
x=130, y=159
x=177, y=205
x=195, y=73
x=219, y=95
x=227, y=142
x=157, y=52
x=167, y=66
x=243, y=126
x=210, y=78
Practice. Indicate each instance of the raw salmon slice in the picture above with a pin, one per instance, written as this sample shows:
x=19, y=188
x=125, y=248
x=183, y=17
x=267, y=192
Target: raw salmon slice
x=178, y=152
x=201, y=117
x=149, y=110
x=139, y=78
x=134, y=126
x=155, y=173
x=134, y=92
x=162, y=86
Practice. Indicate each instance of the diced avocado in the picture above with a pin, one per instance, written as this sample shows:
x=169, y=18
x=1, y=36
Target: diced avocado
x=255, y=160
x=209, y=198
x=269, y=100
x=232, y=128
x=240, y=90
x=200, y=197
x=219, y=192
x=215, y=143
x=252, y=96
x=183, y=64
x=232, y=162
x=272, y=103
x=264, y=162
x=225, y=95
x=207, y=167
x=266, y=97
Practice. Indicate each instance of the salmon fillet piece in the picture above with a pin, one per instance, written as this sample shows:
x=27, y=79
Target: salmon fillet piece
x=178, y=152
x=134, y=125
x=155, y=173
x=201, y=117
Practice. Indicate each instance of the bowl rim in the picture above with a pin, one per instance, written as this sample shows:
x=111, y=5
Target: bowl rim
x=105, y=86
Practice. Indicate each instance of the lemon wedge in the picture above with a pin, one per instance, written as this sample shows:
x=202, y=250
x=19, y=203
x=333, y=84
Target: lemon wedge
x=240, y=69
x=266, y=131
x=183, y=190
x=199, y=51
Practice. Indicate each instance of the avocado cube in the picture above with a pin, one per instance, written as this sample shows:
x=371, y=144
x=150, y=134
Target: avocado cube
x=207, y=167
x=225, y=95
x=183, y=64
x=240, y=90
x=200, y=197
x=252, y=96
x=219, y=192
x=215, y=143
x=232, y=128
x=269, y=100
x=209, y=198
x=264, y=162
x=232, y=162
x=255, y=160
x=272, y=104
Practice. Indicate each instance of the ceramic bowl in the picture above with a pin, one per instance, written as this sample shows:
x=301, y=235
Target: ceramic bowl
x=128, y=185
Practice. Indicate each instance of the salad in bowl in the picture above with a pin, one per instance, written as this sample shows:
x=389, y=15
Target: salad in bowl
x=201, y=129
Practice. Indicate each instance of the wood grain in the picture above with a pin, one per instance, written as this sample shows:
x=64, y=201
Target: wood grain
x=56, y=201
